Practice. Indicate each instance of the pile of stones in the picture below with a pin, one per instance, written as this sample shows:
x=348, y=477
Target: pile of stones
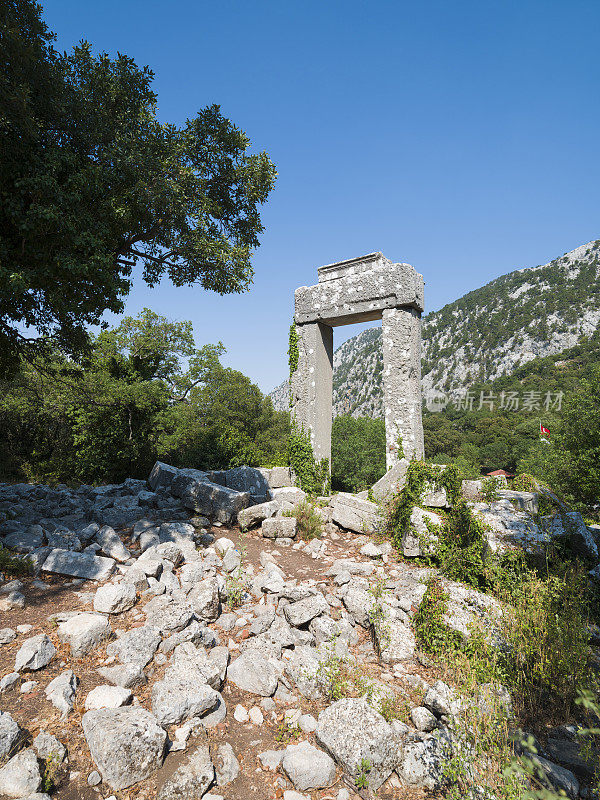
x=173, y=649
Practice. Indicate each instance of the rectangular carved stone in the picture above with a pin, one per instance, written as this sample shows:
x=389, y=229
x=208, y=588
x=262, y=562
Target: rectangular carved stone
x=311, y=386
x=401, y=337
x=79, y=565
x=358, y=291
x=218, y=502
x=348, y=511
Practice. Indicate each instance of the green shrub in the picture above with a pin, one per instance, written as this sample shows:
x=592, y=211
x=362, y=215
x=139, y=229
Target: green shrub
x=312, y=475
x=489, y=489
x=418, y=475
x=432, y=633
x=525, y=483
x=310, y=522
x=14, y=564
x=357, y=452
x=461, y=547
x=545, y=626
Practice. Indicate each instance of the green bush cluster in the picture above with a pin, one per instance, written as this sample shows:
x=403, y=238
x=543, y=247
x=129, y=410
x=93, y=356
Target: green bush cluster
x=310, y=522
x=311, y=475
x=418, y=475
x=357, y=453
x=143, y=392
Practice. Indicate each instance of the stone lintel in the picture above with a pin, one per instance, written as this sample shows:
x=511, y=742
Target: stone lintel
x=351, y=266
x=359, y=290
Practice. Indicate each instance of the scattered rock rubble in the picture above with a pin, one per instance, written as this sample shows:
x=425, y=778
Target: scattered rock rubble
x=150, y=682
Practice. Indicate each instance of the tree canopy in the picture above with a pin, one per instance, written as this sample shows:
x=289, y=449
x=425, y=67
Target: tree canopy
x=91, y=181
x=144, y=391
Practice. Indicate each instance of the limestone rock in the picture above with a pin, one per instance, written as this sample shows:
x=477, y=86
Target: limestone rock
x=423, y=763
x=48, y=746
x=438, y=698
x=129, y=676
x=288, y=494
x=223, y=544
x=21, y=776
x=7, y=635
x=177, y=532
x=252, y=673
x=248, y=479
x=126, y=744
x=161, y=476
x=228, y=767
x=307, y=767
x=279, y=527
x=277, y=477
x=571, y=526
x=79, y=565
x=471, y=490
x=394, y=640
x=303, y=611
x=83, y=632
x=217, y=502
x=191, y=779
x=359, y=603
x=423, y=719
x=136, y=647
x=468, y=608
x=556, y=777
x=180, y=696
x=204, y=599
x=419, y=539
x=392, y=482
x=509, y=528
x=108, y=697
x=354, y=514
x=167, y=613
x=195, y=663
x=114, y=598
x=8, y=681
x=24, y=541
x=61, y=691
x=271, y=759
x=525, y=501
x=254, y=515
x=10, y=736
x=350, y=730
x=435, y=496
x=112, y=545
x=35, y=653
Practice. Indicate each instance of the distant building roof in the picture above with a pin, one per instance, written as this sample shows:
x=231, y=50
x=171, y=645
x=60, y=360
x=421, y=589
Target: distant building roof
x=498, y=473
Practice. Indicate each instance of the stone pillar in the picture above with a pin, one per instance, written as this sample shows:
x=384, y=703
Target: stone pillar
x=311, y=385
x=401, y=336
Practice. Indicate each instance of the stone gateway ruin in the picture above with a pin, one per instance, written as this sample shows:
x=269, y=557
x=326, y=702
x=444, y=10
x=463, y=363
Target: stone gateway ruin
x=361, y=289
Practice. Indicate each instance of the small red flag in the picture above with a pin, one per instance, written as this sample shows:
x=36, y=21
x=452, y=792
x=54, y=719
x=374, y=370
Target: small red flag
x=543, y=430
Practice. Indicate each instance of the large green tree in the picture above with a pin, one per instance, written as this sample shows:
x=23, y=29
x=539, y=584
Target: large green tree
x=91, y=181
x=357, y=452
x=144, y=391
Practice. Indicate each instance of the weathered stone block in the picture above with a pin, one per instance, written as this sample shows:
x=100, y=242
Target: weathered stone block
x=161, y=476
x=358, y=290
x=277, y=477
x=354, y=514
x=392, y=482
x=218, y=502
x=254, y=515
x=79, y=565
x=281, y=527
x=248, y=479
x=126, y=744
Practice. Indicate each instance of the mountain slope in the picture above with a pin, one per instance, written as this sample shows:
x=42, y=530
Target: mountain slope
x=489, y=332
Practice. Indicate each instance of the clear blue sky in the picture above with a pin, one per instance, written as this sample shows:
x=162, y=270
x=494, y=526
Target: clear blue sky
x=462, y=137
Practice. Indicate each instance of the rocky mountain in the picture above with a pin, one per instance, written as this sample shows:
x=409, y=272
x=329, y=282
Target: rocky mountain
x=489, y=332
